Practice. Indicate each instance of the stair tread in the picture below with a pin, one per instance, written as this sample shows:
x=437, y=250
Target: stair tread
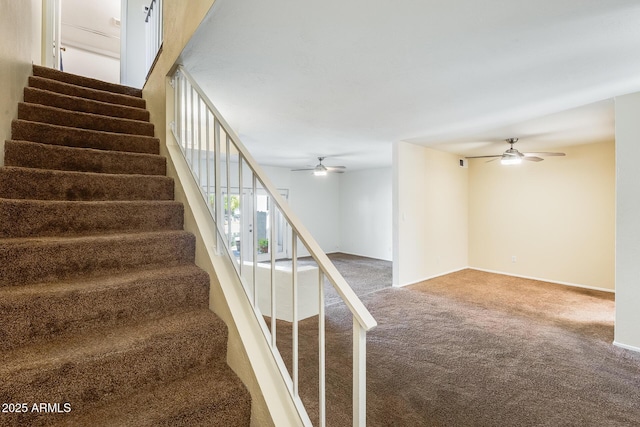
x=34, y=95
x=213, y=397
x=98, y=202
x=85, y=81
x=37, y=155
x=125, y=298
x=116, y=340
x=91, y=368
x=89, y=238
x=89, y=121
x=46, y=184
x=50, y=259
x=30, y=218
x=93, y=284
x=80, y=173
x=93, y=150
x=69, y=136
x=85, y=92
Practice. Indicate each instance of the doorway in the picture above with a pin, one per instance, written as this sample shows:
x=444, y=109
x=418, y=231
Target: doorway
x=83, y=37
x=240, y=225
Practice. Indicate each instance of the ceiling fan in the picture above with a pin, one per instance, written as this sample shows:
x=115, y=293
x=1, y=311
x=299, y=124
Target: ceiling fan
x=321, y=170
x=514, y=157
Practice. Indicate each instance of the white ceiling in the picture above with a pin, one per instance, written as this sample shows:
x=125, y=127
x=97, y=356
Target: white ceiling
x=345, y=79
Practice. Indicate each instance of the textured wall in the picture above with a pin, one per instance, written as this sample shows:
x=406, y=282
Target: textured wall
x=20, y=29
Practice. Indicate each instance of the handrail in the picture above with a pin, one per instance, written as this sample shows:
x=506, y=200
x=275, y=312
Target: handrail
x=365, y=318
x=154, y=22
x=191, y=101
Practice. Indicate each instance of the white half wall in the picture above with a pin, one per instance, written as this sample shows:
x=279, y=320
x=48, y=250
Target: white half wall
x=366, y=214
x=627, y=332
x=430, y=213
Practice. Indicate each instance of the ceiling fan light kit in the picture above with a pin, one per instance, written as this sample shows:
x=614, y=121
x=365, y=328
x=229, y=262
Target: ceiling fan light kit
x=322, y=170
x=514, y=157
x=510, y=160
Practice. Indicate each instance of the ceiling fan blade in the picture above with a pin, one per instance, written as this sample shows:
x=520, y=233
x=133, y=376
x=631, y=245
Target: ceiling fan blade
x=544, y=154
x=494, y=159
x=298, y=170
x=533, y=158
x=482, y=157
x=335, y=168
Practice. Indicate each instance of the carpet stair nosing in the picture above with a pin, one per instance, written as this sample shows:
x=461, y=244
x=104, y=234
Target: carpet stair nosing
x=62, y=117
x=86, y=93
x=45, y=184
x=127, y=298
x=50, y=218
x=74, y=103
x=28, y=154
x=46, y=133
x=214, y=398
x=105, y=365
x=51, y=259
x=88, y=82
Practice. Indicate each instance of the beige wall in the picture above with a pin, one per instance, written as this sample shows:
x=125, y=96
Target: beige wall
x=20, y=30
x=557, y=217
x=430, y=215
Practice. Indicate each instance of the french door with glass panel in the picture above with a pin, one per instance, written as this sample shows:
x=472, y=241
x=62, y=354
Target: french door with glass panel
x=240, y=225
x=263, y=224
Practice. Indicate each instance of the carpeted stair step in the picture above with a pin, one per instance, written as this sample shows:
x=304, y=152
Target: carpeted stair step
x=50, y=73
x=74, y=103
x=28, y=154
x=39, y=184
x=87, y=93
x=43, y=312
x=44, y=218
x=214, y=398
x=101, y=303
x=62, y=117
x=46, y=133
x=52, y=259
x=86, y=370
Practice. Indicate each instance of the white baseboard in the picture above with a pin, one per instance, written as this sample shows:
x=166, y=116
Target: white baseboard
x=430, y=277
x=362, y=255
x=575, y=285
x=627, y=347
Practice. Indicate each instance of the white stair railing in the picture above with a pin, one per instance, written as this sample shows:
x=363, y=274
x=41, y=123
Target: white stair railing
x=244, y=203
x=153, y=32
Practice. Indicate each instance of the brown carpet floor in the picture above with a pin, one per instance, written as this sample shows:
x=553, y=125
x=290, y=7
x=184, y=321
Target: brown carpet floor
x=478, y=349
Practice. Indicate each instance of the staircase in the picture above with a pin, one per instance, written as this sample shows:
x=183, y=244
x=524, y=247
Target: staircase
x=103, y=314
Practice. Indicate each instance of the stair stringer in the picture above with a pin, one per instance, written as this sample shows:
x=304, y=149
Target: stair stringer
x=248, y=352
